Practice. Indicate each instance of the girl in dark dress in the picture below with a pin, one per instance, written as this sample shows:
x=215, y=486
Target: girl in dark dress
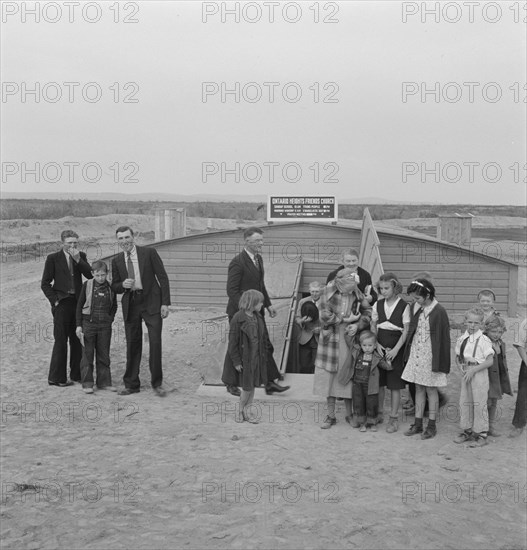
x=248, y=349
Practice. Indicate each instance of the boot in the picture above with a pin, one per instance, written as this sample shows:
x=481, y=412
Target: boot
x=416, y=428
x=392, y=425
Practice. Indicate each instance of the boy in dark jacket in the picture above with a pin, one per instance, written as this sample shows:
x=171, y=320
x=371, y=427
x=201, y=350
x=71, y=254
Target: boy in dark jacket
x=362, y=366
x=96, y=310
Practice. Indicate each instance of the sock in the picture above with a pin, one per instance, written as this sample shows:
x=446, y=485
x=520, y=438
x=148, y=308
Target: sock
x=418, y=421
x=431, y=423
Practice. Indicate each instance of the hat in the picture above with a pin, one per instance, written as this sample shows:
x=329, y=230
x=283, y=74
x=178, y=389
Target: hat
x=309, y=309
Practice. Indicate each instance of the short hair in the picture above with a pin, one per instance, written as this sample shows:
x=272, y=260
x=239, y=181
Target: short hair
x=124, y=228
x=488, y=293
x=99, y=265
x=393, y=280
x=249, y=299
x=476, y=311
x=367, y=335
x=315, y=284
x=422, y=275
x=349, y=252
x=495, y=321
x=422, y=288
x=251, y=231
x=68, y=233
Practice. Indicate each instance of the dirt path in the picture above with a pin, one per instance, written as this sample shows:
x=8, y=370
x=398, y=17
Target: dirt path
x=104, y=471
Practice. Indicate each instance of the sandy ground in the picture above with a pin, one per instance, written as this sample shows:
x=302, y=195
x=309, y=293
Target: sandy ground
x=105, y=471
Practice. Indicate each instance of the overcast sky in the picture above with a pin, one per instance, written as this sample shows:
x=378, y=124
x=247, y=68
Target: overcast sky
x=355, y=113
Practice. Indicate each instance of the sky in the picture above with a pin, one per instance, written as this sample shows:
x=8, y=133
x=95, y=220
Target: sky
x=405, y=101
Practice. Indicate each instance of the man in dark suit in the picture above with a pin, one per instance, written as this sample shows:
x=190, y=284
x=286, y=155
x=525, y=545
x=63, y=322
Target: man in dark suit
x=62, y=283
x=246, y=272
x=139, y=274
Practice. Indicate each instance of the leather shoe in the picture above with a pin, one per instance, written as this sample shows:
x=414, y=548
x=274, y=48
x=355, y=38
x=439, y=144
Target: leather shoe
x=160, y=392
x=127, y=391
x=233, y=390
x=274, y=387
x=61, y=384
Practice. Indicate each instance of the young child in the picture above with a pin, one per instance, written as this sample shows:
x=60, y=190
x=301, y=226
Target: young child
x=474, y=355
x=390, y=320
x=96, y=310
x=520, y=411
x=247, y=348
x=362, y=367
x=427, y=353
x=499, y=382
x=486, y=299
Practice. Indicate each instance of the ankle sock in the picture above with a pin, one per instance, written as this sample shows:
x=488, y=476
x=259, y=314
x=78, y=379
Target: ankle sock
x=418, y=421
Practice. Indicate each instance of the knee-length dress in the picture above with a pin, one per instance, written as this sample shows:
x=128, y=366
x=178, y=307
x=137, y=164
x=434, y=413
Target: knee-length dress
x=419, y=366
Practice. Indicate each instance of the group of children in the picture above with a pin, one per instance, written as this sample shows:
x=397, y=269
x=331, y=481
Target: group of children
x=405, y=343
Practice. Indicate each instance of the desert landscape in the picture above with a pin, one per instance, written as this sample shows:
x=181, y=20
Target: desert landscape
x=105, y=471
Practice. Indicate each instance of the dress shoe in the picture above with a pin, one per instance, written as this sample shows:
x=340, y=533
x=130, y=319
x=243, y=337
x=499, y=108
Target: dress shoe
x=127, y=391
x=160, y=392
x=233, y=390
x=61, y=384
x=108, y=388
x=87, y=390
x=274, y=387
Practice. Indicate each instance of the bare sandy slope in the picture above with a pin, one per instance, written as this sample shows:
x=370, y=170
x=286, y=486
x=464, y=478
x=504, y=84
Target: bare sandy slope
x=137, y=472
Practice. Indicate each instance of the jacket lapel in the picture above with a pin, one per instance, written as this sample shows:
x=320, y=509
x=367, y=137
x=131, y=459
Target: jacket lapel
x=141, y=261
x=249, y=262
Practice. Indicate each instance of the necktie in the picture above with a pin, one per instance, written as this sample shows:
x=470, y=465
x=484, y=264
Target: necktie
x=130, y=266
x=258, y=261
x=72, y=275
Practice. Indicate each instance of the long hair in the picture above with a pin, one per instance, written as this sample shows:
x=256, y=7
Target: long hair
x=249, y=299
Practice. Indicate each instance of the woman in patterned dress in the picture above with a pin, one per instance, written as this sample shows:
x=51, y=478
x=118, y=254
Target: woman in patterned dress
x=344, y=311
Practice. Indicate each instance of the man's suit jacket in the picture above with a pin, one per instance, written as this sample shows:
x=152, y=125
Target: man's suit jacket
x=307, y=330
x=56, y=278
x=244, y=275
x=154, y=278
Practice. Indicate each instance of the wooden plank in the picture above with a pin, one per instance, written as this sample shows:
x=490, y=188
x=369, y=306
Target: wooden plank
x=512, y=304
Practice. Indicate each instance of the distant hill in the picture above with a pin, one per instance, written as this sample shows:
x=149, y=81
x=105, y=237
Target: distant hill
x=175, y=197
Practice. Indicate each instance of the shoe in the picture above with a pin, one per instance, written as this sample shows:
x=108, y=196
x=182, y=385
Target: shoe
x=160, y=392
x=414, y=429
x=76, y=380
x=515, y=432
x=233, y=390
x=493, y=433
x=247, y=418
x=429, y=432
x=61, y=384
x=87, y=390
x=373, y=427
x=352, y=421
x=127, y=391
x=463, y=437
x=328, y=422
x=380, y=418
x=363, y=428
x=108, y=388
x=392, y=425
x=274, y=387
x=479, y=441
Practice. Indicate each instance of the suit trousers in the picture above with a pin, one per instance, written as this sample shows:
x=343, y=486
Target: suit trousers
x=137, y=313
x=307, y=355
x=64, y=325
